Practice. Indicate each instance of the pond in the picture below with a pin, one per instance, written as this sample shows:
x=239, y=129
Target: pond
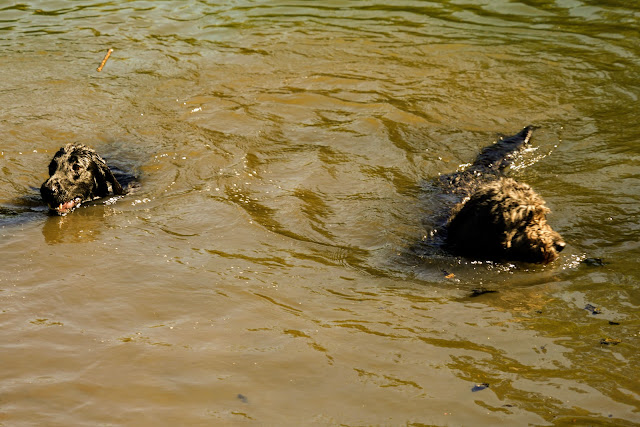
x=262, y=270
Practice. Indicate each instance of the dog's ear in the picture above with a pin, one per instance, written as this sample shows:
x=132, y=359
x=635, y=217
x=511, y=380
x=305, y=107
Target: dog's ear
x=104, y=176
x=530, y=215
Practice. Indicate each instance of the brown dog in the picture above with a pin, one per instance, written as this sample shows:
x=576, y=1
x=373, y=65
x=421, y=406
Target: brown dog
x=500, y=219
x=504, y=219
x=77, y=174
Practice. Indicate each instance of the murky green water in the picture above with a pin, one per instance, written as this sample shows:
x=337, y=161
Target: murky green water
x=262, y=272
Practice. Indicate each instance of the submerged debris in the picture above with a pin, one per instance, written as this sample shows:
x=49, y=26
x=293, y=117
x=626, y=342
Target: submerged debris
x=609, y=341
x=479, y=387
x=592, y=309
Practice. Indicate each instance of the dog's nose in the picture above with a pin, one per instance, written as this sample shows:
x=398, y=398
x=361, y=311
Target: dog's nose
x=49, y=188
x=559, y=245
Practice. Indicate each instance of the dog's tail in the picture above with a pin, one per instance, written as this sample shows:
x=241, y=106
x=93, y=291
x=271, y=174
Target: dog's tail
x=522, y=137
x=498, y=156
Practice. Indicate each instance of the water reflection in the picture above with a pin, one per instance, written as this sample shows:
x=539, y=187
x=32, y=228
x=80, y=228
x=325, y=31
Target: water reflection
x=84, y=224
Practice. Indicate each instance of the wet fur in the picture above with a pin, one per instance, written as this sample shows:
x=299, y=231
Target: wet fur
x=499, y=218
x=77, y=173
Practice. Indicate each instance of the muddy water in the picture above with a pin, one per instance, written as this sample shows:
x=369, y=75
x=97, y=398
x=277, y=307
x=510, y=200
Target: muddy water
x=262, y=271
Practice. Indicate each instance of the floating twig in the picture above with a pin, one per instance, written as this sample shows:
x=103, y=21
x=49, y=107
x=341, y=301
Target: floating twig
x=104, y=61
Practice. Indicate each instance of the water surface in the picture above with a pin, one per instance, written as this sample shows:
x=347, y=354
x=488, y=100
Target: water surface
x=262, y=273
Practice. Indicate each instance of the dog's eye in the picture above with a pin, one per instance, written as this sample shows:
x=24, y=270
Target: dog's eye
x=76, y=167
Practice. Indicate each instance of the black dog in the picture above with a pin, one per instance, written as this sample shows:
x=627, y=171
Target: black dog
x=498, y=217
x=77, y=174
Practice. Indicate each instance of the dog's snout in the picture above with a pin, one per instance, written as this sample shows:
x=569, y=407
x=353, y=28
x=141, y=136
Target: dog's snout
x=559, y=245
x=50, y=186
x=50, y=189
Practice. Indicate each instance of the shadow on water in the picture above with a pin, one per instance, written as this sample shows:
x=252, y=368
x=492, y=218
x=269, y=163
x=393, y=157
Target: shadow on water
x=22, y=209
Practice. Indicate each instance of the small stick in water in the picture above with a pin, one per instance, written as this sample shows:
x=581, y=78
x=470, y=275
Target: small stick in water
x=104, y=61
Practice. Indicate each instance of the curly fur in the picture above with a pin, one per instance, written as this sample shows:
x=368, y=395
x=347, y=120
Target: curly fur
x=500, y=219
x=504, y=219
x=77, y=174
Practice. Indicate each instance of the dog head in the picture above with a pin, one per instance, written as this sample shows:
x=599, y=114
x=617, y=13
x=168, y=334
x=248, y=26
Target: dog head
x=77, y=174
x=504, y=220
